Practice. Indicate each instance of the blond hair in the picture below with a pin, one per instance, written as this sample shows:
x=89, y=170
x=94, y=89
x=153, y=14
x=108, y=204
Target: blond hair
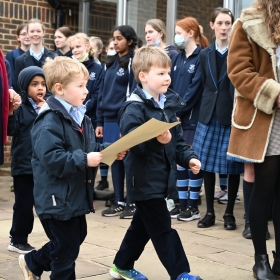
x=159, y=26
x=98, y=41
x=147, y=57
x=62, y=70
x=84, y=38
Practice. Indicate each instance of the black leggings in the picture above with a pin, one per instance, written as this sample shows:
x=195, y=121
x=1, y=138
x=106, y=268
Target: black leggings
x=267, y=184
x=209, y=186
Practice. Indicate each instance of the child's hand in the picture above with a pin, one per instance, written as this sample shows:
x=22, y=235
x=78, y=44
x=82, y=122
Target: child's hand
x=121, y=155
x=94, y=158
x=99, y=132
x=15, y=101
x=195, y=165
x=165, y=137
x=42, y=101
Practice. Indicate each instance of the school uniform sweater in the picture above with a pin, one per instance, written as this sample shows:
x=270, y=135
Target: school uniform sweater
x=11, y=57
x=186, y=81
x=113, y=92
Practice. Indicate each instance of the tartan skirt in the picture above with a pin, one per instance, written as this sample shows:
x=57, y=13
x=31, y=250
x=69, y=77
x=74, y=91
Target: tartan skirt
x=211, y=144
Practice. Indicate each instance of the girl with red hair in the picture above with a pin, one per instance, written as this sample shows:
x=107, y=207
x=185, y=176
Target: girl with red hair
x=187, y=82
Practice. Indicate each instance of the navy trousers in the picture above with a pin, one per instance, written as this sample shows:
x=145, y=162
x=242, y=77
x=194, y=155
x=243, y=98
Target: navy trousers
x=60, y=253
x=152, y=220
x=23, y=217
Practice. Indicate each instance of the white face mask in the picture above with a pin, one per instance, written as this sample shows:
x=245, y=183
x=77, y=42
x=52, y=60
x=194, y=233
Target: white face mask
x=180, y=41
x=156, y=43
x=111, y=53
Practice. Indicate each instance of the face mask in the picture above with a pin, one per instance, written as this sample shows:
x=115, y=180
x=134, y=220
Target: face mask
x=180, y=41
x=83, y=58
x=111, y=53
x=156, y=43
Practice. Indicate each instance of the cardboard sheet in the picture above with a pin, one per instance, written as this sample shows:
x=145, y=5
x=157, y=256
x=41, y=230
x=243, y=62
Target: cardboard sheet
x=146, y=131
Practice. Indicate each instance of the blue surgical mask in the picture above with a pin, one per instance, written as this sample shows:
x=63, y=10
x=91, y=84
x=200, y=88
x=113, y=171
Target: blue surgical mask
x=111, y=53
x=180, y=41
x=156, y=43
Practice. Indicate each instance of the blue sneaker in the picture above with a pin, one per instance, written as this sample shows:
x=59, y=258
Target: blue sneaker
x=132, y=274
x=187, y=276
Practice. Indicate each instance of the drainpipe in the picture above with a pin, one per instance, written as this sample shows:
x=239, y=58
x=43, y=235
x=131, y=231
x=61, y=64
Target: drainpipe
x=55, y=4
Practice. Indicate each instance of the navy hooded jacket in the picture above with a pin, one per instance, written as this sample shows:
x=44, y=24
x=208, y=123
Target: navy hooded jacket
x=96, y=73
x=113, y=92
x=20, y=124
x=187, y=82
x=63, y=183
x=151, y=166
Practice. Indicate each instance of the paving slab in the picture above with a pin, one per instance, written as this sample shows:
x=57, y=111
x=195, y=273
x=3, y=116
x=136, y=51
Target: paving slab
x=213, y=253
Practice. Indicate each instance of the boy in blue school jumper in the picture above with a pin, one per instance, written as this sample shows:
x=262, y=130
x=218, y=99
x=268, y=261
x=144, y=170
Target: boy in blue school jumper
x=31, y=81
x=151, y=169
x=64, y=151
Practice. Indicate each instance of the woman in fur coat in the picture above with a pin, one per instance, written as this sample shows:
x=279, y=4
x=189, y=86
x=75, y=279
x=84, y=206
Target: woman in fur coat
x=254, y=69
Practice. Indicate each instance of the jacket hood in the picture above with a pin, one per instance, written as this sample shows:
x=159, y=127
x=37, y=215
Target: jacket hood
x=172, y=100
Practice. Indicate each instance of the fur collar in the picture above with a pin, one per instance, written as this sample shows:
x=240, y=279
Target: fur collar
x=254, y=26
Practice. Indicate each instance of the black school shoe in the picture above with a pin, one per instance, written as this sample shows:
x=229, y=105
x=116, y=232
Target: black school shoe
x=102, y=185
x=207, y=221
x=247, y=232
x=229, y=222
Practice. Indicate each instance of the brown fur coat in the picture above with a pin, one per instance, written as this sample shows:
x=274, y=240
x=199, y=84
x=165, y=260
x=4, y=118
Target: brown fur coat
x=252, y=70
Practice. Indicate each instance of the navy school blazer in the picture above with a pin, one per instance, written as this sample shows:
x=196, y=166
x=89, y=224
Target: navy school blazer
x=218, y=92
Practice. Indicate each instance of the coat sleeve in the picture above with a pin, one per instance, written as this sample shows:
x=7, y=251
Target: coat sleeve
x=131, y=119
x=260, y=90
x=193, y=91
x=47, y=143
x=13, y=123
x=99, y=111
x=184, y=153
x=19, y=65
x=92, y=102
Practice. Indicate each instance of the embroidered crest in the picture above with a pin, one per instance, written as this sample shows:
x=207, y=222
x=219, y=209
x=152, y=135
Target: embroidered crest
x=92, y=76
x=120, y=72
x=191, y=68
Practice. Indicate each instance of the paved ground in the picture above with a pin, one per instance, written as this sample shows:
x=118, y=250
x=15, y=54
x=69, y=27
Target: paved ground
x=213, y=253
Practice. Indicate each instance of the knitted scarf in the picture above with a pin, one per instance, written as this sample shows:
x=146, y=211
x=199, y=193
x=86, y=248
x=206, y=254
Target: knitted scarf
x=5, y=98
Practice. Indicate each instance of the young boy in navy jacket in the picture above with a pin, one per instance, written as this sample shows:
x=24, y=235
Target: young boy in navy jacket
x=64, y=150
x=31, y=81
x=151, y=169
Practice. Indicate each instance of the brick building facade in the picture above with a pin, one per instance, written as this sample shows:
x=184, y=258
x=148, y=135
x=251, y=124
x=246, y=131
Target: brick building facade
x=102, y=19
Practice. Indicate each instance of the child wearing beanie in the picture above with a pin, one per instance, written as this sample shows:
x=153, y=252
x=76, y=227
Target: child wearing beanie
x=31, y=81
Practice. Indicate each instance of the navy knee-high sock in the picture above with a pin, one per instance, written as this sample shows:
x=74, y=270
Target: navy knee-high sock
x=104, y=171
x=195, y=184
x=223, y=181
x=247, y=191
x=182, y=185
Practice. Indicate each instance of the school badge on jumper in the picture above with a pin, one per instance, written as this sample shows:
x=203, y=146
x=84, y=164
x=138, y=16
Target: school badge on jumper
x=92, y=76
x=191, y=68
x=120, y=72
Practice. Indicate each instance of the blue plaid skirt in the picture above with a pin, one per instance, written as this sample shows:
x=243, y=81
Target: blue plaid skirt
x=210, y=144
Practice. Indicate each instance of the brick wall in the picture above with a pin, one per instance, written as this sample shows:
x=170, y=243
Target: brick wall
x=201, y=10
x=101, y=21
